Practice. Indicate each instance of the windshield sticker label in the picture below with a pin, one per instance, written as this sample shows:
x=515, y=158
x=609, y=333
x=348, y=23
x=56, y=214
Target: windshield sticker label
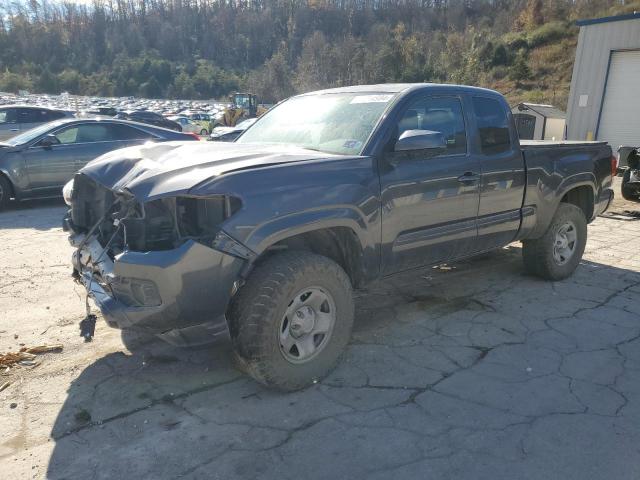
x=371, y=99
x=351, y=144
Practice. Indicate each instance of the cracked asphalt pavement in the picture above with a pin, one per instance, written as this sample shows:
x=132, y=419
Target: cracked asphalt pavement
x=473, y=371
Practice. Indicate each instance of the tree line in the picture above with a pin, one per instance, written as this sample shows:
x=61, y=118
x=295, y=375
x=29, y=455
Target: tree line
x=209, y=48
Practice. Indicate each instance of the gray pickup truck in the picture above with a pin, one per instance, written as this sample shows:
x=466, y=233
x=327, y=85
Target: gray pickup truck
x=264, y=239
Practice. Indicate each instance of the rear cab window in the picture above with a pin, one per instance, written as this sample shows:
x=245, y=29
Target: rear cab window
x=493, y=126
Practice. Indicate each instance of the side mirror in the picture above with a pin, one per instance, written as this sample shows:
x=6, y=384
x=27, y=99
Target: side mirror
x=48, y=141
x=421, y=140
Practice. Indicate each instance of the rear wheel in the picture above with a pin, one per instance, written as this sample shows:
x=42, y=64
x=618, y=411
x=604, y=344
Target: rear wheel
x=5, y=192
x=203, y=132
x=556, y=254
x=292, y=320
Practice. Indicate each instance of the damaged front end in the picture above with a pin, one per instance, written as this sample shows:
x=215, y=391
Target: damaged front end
x=164, y=266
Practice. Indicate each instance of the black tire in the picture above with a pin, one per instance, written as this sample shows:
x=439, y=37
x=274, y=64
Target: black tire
x=538, y=254
x=257, y=316
x=203, y=132
x=5, y=192
x=629, y=193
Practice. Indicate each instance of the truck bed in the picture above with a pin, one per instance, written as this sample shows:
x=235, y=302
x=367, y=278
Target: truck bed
x=556, y=166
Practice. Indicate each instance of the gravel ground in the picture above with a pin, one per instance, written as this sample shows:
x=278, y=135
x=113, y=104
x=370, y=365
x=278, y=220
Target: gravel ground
x=477, y=371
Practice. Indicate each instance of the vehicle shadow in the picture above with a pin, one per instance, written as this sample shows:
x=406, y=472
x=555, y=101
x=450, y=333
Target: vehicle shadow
x=165, y=412
x=43, y=214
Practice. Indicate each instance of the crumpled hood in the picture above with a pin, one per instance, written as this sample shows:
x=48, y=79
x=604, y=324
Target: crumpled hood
x=158, y=169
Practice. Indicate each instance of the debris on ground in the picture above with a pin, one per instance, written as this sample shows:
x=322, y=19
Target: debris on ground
x=26, y=356
x=443, y=267
x=44, y=348
x=4, y=385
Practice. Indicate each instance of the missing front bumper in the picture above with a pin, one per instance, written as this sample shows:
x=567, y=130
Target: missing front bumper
x=193, y=283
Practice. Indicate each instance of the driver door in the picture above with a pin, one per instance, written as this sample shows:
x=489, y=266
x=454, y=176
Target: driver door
x=430, y=199
x=51, y=166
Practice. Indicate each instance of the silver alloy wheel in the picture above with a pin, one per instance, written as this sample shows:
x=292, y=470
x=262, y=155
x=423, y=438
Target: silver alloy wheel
x=307, y=324
x=565, y=243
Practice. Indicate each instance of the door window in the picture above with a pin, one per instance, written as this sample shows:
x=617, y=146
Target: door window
x=32, y=115
x=493, y=126
x=437, y=114
x=8, y=115
x=125, y=132
x=85, y=133
x=54, y=115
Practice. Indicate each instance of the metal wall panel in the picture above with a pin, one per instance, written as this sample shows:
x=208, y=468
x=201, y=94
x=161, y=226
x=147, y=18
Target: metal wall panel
x=620, y=117
x=595, y=44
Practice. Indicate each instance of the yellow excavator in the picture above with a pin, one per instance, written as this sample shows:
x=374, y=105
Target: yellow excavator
x=243, y=106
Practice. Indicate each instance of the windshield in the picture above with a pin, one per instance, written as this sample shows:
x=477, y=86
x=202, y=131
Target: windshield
x=332, y=122
x=29, y=135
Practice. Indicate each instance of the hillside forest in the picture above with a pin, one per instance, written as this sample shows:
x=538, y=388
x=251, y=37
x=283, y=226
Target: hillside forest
x=209, y=48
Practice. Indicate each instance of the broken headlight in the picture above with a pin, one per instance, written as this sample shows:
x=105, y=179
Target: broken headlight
x=168, y=222
x=200, y=218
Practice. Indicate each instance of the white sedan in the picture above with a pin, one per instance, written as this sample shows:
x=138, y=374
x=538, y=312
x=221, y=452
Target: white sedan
x=189, y=125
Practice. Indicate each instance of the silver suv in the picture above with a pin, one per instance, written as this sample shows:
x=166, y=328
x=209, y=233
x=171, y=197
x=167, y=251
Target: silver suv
x=17, y=118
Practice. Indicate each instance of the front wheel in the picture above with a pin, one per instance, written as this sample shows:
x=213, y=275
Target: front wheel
x=556, y=254
x=203, y=132
x=292, y=320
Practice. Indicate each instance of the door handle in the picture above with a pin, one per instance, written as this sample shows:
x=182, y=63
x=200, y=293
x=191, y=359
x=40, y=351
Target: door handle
x=469, y=178
x=14, y=130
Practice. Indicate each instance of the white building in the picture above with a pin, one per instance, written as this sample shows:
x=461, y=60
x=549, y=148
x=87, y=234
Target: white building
x=604, y=102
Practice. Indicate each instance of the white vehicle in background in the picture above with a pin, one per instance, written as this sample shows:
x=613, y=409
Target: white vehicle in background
x=229, y=134
x=189, y=125
x=201, y=118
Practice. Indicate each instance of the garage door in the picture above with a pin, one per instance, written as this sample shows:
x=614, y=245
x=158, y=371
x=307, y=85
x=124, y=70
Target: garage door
x=620, y=118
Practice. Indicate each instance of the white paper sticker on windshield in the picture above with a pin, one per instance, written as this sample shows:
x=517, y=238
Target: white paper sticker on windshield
x=371, y=99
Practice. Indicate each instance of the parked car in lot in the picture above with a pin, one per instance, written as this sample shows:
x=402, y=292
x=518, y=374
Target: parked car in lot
x=189, y=125
x=19, y=118
x=37, y=163
x=201, y=118
x=150, y=118
x=229, y=134
x=328, y=191
x=631, y=176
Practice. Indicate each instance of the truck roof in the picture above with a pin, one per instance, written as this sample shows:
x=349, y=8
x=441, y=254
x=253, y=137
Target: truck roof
x=401, y=87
